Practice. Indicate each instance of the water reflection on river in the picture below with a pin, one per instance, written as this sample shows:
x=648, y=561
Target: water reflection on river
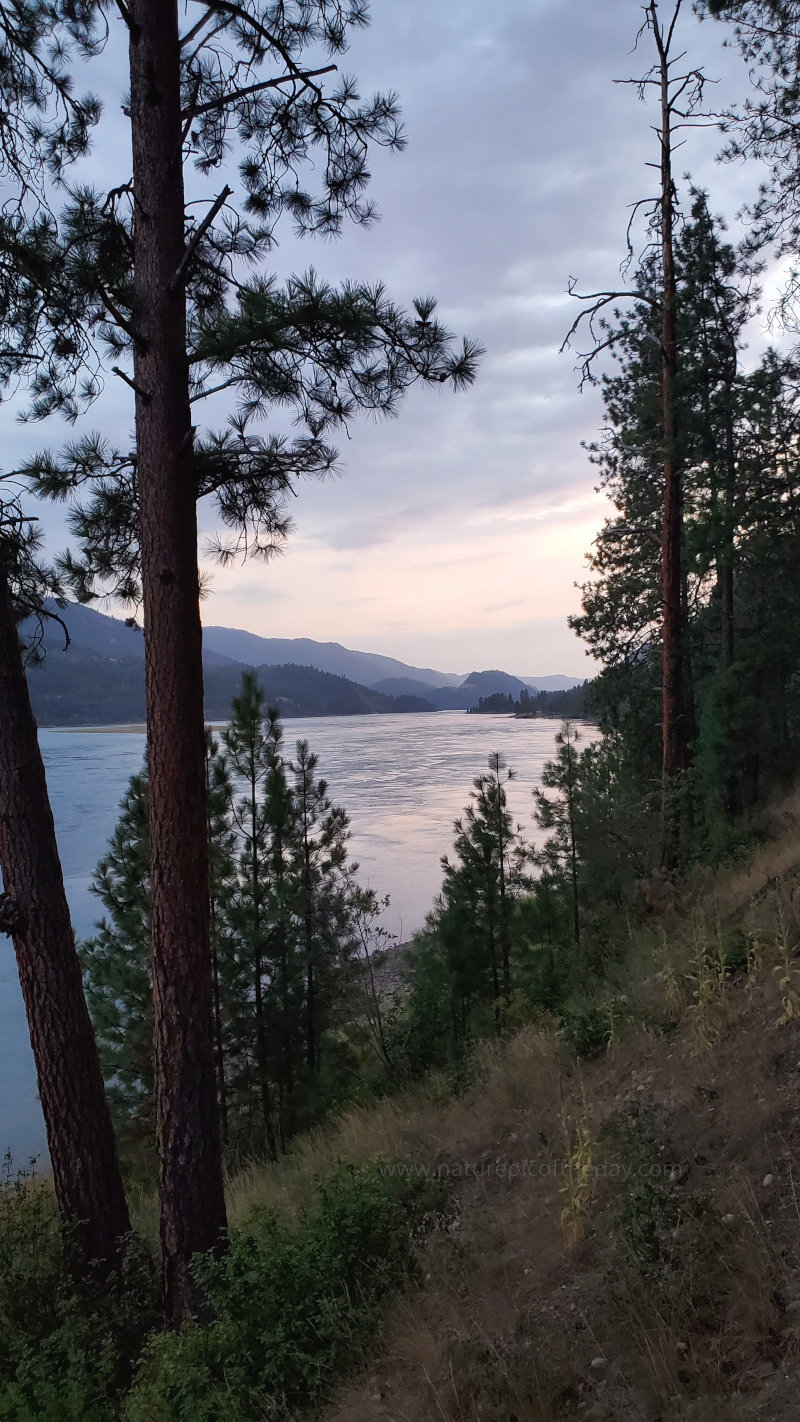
x=403, y=779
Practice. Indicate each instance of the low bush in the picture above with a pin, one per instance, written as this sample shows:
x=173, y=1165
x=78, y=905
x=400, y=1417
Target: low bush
x=292, y=1308
x=65, y=1352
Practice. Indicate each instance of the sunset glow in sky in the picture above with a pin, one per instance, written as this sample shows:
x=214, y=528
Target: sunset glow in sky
x=456, y=533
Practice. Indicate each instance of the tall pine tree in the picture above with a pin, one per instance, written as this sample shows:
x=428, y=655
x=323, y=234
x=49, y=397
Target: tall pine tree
x=169, y=296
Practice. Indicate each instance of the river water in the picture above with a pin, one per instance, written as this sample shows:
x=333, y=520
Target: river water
x=402, y=779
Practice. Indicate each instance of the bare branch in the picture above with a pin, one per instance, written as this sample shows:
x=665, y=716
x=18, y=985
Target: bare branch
x=117, y=316
x=197, y=237
x=215, y=389
x=143, y=395
x=126, y=15
x=305, y=76
x=622, y=530
x=196, y=28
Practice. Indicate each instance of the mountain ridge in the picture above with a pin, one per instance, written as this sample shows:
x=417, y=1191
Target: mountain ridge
x=84, y=688
x=109, y=636
x=366, y=667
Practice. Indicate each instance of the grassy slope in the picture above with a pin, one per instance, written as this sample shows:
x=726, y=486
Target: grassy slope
x=627, y=1243
x=625, y=1236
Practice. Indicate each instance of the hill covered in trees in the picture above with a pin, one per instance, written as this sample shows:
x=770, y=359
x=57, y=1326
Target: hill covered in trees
x=576, y=702
x=99, y=678
x=81, y=688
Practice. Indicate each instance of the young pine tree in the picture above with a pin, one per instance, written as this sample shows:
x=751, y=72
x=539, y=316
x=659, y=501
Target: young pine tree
x=559, y=816
x=221, y=865
x=249, y=743
x=117, y=964
x=284, y=952
x=480, y=887
x=320, y=903
x=118, y=959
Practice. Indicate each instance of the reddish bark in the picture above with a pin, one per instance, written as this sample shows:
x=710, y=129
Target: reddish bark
x=34, y=911
x=190, y=1166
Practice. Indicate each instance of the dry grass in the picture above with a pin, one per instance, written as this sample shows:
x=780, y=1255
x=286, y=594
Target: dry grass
x=626, y=1242
x=678, y=1296
x=423, y=1126
x=779, y=857
x=564, y=1287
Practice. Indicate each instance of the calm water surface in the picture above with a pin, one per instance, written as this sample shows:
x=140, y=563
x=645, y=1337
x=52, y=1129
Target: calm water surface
x=403, y=779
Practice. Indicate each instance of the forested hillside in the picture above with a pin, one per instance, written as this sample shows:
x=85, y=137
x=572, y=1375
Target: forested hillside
x=98, y=678
x=80, y=689
x=576, y=703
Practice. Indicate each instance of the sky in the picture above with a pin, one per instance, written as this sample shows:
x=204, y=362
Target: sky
x=456, y=533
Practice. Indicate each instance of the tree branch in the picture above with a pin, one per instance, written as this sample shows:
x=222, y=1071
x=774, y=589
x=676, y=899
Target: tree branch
x=215, y=389
x=118, y=317
x=127, y=16
x=642, y=529
x=305, y=75
x=197, y=237
x=143, y=395
x=237, y=12
x=12, y=919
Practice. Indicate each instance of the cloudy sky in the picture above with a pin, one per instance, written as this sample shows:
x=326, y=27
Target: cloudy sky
x=456, y=533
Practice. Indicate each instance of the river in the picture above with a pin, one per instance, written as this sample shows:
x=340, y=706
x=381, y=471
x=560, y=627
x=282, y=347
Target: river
x=402, y=779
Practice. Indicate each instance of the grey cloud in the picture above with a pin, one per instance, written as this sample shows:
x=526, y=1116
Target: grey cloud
x=523, y=158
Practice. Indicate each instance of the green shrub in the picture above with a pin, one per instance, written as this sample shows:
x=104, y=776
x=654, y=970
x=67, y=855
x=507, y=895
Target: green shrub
x=31, y=1263
x=292, y=1308
x=586, y=1029
x=66, y=1353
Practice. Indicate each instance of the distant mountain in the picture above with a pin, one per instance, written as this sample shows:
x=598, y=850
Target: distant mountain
x=80, y=688
x=366, y=667
x=95, y=634
x=553, y=683
x=575, y=701
x=486, y=683
x=105, y=636
x=455, y=698
x=408, y=686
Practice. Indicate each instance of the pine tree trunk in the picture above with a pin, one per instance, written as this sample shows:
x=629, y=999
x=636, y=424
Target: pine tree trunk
x=258, y=983
x=726, y=555
x=725, y=568
x=261, y=1053
x=573, y=846
x=190, y=1165
x=287, y=1111
x=505, y=946
x=674, y=728
x=493, y=949
x=308, y=940
x=573, y=852
x=34, y=911
x=311, y=1011
x=287, y=1081
x=219, y=1046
